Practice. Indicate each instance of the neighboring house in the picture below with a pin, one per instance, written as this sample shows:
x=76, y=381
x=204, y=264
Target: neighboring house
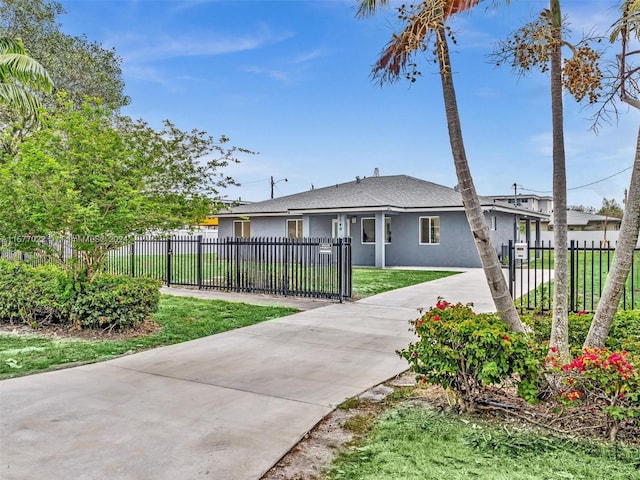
x=586, y=222
x=536, y=203
x=393, y=221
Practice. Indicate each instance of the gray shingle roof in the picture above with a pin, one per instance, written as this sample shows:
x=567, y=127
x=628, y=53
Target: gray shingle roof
x=394, y=191
x=575, y=217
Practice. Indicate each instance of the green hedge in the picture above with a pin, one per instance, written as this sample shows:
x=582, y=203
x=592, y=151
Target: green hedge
x=624, y=333
x=33, y=295
x=47, y=294
x=116, y=302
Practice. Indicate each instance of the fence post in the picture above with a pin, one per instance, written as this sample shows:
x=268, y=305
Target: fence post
x=340, y=270
x=572, y=275
x=512, y=267
x=199, y=265
x=169, y=252
x=285, y=287
x=132, y=263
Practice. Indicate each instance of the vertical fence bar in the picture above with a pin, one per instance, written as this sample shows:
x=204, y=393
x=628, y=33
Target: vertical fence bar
x=199, y=262
x=168, y=266
x=512, y=266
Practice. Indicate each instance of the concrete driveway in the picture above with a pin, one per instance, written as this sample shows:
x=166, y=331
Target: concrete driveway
x=226, y=407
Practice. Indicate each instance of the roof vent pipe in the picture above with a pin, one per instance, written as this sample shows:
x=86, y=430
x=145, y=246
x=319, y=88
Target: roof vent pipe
x=357, y=179
x=376, y=172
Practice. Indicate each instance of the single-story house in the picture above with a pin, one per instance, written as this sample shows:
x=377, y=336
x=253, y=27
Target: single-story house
x=393, y=220
x=578, y=221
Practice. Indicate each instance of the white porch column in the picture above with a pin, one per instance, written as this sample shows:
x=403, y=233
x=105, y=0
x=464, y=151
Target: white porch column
x=380, y=238
x=306, y=229
x=341, y=231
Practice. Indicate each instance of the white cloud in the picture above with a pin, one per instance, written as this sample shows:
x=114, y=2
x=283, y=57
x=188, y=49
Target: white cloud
x=143, y=48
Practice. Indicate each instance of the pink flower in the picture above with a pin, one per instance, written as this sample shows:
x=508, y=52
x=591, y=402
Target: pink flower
x=582, y=312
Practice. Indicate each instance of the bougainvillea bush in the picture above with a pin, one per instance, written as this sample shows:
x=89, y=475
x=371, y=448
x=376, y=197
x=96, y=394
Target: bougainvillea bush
x=464, y=352
x=601, y=382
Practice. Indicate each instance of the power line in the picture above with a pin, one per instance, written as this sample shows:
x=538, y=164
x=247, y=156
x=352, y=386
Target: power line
x=580, y=186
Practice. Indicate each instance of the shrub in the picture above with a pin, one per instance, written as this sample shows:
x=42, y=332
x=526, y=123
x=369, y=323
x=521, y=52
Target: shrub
x=624, y=333
x=464, y=352
x=113, y=302
x=33, y=295
x=602, y=381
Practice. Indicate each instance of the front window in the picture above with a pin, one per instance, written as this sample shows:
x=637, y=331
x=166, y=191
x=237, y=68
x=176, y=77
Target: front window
x=241, y=228
x=369, y=230
x=294, y=228
x=429, y=230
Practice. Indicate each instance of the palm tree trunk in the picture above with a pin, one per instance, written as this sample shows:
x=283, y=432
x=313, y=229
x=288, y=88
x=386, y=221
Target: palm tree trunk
x=560, y=324
x=479, y=228
x=617, y=277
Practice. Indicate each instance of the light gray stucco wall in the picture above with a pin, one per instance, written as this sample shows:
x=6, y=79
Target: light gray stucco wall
x=456, y=247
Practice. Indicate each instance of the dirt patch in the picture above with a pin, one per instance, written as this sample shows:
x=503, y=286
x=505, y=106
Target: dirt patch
x=66, y=332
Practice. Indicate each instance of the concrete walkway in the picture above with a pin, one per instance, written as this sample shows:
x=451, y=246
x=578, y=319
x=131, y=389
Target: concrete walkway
x=223, y=407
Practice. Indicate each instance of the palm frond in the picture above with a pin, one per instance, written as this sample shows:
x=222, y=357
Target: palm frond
x=369, y=7
x=25, y=70
x=11, y=45
x=421, y=21
x=17, y=96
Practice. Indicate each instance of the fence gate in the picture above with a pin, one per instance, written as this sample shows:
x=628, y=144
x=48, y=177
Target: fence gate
x=307, y=267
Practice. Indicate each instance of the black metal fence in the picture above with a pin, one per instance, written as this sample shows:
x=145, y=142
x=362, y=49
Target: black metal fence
x=305, y=267
x=531, y=278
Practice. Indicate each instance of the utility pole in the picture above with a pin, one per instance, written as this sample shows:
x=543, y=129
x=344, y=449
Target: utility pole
x=274, y=182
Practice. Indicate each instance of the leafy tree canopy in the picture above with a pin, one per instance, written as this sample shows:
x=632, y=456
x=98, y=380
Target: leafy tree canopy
x=80, y=67
x=610, y=208
x=99, y=177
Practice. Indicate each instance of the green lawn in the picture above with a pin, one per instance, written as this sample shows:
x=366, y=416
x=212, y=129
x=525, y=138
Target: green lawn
x=590, y=270
x=371, y=281
x=416, y=442
x=182, y=319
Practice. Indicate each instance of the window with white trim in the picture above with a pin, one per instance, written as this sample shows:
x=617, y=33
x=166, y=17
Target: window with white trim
x=294, y=228
x=369, y=230
x=494, y=222
x=429, y=230
x=241, y=228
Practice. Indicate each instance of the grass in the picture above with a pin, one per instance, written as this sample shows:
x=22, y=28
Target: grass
x=181, y=318
x=371, y=281
x=590, y=269
x=411, y=442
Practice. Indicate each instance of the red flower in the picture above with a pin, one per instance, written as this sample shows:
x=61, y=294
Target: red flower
x=506, y=338
x=436, y=318
x=582, y=312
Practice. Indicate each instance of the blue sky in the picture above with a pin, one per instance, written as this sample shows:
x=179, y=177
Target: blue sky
x=291, y=80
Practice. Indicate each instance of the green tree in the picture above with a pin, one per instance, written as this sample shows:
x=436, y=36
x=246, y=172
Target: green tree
x=610, y=208
x=19, y=74
x=424, y=25
x=78, y=66
x=94, y=178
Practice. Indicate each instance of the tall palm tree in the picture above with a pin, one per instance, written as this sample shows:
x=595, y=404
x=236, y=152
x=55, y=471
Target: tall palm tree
x=20, y=76
x=560, y=322
x=426, y=23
